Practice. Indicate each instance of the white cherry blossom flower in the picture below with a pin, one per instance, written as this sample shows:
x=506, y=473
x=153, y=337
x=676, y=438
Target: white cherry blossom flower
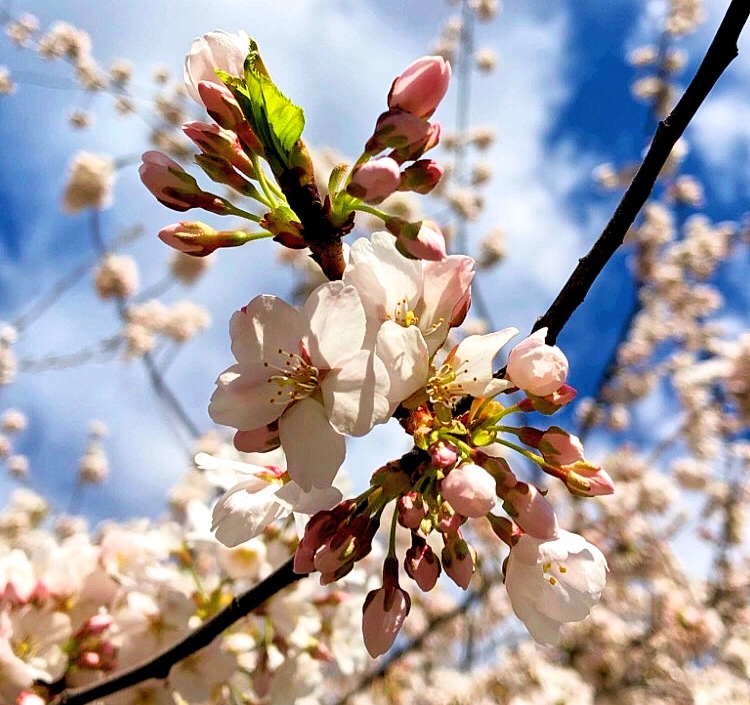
x=309, y=370
x=410, y=306
x=552, y=582
x=215, y=50
x=468, y=369
x=261, y=497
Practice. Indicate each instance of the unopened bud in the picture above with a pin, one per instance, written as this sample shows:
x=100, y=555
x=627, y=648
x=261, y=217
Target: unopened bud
x=421, y=240
x=421, y=177
x=375, y=180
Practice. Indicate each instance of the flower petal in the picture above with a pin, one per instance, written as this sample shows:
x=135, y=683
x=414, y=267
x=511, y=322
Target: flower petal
x=406, y=357
x=243, y=399
x=314, y=450
x=473, y=360
x=336, y=322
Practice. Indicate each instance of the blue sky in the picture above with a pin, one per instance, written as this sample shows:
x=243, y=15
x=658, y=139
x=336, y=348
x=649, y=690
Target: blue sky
x=560, y=102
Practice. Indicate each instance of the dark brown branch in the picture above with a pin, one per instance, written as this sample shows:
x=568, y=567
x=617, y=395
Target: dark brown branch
x=720, y=54
x=722, y=51
x=160, y=665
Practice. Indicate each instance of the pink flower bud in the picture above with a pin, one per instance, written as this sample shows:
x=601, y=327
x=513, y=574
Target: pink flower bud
x=375, y=180
x=442, y=455
x=560, y=447
x=421, y=177
x=588, y=480
x=421, y=87
x=498, y=468
x=319, y=530
x=174, y=187
x=470, y=490
x=459, y=559
x=422, y=240
x=398, y=130
x=221, y=105
x=214, y=141
x=529, y=508
x=536, y=367
x=421, y=564
x=383, y=614
x=95, y=625
x=414, y=150
x=199, y=239
x=411, y=510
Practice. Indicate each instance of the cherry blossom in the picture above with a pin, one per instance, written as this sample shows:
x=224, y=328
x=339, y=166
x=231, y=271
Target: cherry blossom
x=260, y=498
x=215, y=50
x=552, y=582
x=309, y=370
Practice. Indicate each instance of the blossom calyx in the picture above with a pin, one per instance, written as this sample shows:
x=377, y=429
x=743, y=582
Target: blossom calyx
x=421, y=86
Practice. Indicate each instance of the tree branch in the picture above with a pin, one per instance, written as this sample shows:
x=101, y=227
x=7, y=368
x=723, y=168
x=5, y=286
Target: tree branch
x=722, y=51
x=720, y=54
x=160, y=665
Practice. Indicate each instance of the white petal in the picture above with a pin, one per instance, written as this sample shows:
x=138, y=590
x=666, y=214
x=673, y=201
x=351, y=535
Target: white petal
x=473, y=361
x=355, y=394
x=406, y=357
x=308, y=502
x=314, y=450
x=336, y=321
x=240, y=516
x=382, y=275
x=264, y=326
x=244, y=399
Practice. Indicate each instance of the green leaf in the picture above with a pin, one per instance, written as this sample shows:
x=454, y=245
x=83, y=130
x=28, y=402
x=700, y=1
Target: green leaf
x=276, y=121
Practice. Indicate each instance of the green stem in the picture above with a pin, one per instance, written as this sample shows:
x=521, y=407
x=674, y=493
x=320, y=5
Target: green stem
x=233, y=210
x=269, y=189
x=371, y=210
x=392, y=538
x=465, y=448
x=533, y=457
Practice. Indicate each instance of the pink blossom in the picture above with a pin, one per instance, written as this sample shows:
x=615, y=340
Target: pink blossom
x=421, y=86
x=421, y=564
x=309, y=370
x=411, y=510
x=536, y=367
x=173, y=186
x=221, y=105
x=215, y=50
x=421, y=240
x=421, y=177
x=552, y=582
x=469, y=489
x=459, y=559
x=383, y=614
x=530, y=509
x=443, y=455
x=400, y=131
x=375, y=180
x=560, y=447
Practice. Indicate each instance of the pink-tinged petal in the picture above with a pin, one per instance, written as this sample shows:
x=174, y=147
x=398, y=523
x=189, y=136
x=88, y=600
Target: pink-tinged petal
x=244, y=399
x=383, y=276
x=314, y=450
x=470, y=490
x=243, y=513
x=337, y=323
x=536, y=367
x=542, y=629
x=473, y=360
x=217, y=49
x=405, y=355
x=254, y=483
x=258, y=440
x=355, y=394
x=265, y=326
x=445, y=294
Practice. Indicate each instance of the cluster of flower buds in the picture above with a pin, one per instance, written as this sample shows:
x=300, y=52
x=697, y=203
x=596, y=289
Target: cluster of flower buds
x=405, y=130
x=254, y=123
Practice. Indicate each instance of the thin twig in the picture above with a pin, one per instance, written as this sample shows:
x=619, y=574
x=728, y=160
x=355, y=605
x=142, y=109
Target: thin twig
x=720, y=54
